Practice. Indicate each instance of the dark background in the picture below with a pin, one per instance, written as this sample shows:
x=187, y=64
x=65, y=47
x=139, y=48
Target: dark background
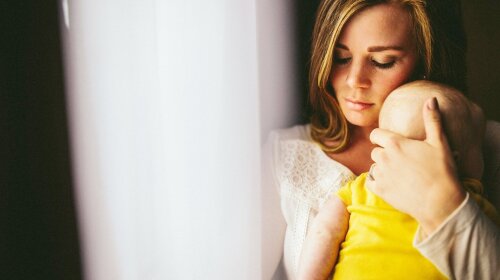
x=38, y=228
x=482, y=25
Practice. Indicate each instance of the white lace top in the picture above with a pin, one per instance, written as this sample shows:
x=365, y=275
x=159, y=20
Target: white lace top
x=305, y=177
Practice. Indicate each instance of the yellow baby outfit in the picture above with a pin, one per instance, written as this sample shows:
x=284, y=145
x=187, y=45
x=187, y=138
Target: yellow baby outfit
x=378, y=244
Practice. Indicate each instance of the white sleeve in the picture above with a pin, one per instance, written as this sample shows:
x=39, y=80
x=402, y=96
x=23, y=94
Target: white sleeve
x=273, y=222
x=465, y=246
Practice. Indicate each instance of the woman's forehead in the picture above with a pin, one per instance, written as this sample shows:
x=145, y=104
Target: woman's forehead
x=378, y=26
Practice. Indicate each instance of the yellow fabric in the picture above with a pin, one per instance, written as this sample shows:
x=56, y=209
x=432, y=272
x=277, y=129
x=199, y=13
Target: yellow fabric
x=379, y=242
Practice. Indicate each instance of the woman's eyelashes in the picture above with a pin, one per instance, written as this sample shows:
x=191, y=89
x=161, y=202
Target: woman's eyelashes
x=341, y=60
x=379, y=64
x=384, y=65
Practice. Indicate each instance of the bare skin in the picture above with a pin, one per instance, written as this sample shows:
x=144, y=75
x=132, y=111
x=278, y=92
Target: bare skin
x=374, y=55
x=436, y=189
x=329, y=228
x=357, y=156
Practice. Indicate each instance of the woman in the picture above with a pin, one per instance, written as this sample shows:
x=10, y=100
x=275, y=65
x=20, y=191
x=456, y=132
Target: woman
x=361, y=51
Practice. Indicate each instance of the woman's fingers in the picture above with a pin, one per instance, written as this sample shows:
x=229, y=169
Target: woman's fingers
x=432, y=123
x=385, y=138
x=408, y=174
x=377, y=154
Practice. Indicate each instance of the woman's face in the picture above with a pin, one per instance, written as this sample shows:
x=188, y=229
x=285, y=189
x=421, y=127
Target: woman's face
x=374, y=55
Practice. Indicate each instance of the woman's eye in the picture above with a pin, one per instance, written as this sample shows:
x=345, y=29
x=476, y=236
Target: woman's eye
x=384, y=65
x=341, y=60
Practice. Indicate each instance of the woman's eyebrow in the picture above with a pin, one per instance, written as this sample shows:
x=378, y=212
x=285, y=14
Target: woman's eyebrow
x=341, y=46
x=385, y=48
x=373, y=48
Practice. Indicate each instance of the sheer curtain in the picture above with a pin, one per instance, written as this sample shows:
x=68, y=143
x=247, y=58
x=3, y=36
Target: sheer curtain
x=169, y=102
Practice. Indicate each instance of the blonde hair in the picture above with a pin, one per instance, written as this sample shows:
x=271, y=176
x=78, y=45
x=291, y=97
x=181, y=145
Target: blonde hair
x=328, y=124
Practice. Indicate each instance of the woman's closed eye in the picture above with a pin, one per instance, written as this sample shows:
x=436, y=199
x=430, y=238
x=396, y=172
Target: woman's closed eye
x=341, y=60
x=384, y=64
x=379, y=64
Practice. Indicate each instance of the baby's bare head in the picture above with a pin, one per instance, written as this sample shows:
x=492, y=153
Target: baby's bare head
x=463, y=121
x=402, y=110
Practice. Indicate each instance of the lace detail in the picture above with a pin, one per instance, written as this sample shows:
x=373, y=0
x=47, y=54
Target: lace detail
x=307, y=174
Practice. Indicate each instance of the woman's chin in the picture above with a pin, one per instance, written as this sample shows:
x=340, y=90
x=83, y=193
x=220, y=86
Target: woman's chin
x=363, y=122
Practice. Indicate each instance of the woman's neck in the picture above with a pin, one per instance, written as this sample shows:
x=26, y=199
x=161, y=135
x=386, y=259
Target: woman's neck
x=357, y=155
x=360, y=133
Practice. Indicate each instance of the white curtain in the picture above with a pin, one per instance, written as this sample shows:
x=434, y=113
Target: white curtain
x=169, y=102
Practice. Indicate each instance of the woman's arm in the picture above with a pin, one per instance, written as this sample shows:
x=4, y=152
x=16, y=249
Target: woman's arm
x=322, y=243
x=419, y=178
x=465, y=246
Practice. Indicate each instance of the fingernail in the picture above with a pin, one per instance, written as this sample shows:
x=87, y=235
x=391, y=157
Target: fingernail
x=433, y=105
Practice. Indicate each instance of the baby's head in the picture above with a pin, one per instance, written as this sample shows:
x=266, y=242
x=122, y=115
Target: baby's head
x=463, y=121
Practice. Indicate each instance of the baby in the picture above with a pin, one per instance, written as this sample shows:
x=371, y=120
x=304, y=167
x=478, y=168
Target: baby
x=372, y=240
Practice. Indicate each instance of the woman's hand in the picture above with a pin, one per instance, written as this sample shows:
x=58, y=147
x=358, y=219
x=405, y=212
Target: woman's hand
x=417, y=177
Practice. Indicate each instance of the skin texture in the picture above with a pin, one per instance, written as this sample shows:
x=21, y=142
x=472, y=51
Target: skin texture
x=363, y=75
x=425, y=168
x=402, y=113
x=322, y=243
x=374, y=55
x=399, y=159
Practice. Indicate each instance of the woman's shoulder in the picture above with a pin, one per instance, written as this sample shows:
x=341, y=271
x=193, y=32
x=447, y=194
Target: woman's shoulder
x=302, y=169
x=294, y=147
x=288, y=143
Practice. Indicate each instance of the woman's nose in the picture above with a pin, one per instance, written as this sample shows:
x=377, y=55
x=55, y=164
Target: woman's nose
x=358, y=76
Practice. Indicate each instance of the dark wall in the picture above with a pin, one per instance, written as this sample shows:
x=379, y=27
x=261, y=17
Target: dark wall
x=38, y=235
x=482, y=24
x=304, y=22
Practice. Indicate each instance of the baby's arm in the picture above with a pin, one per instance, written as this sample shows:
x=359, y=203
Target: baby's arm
x=322, y=244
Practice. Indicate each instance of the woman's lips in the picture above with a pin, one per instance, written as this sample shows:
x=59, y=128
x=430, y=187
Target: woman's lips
x=357, y=105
